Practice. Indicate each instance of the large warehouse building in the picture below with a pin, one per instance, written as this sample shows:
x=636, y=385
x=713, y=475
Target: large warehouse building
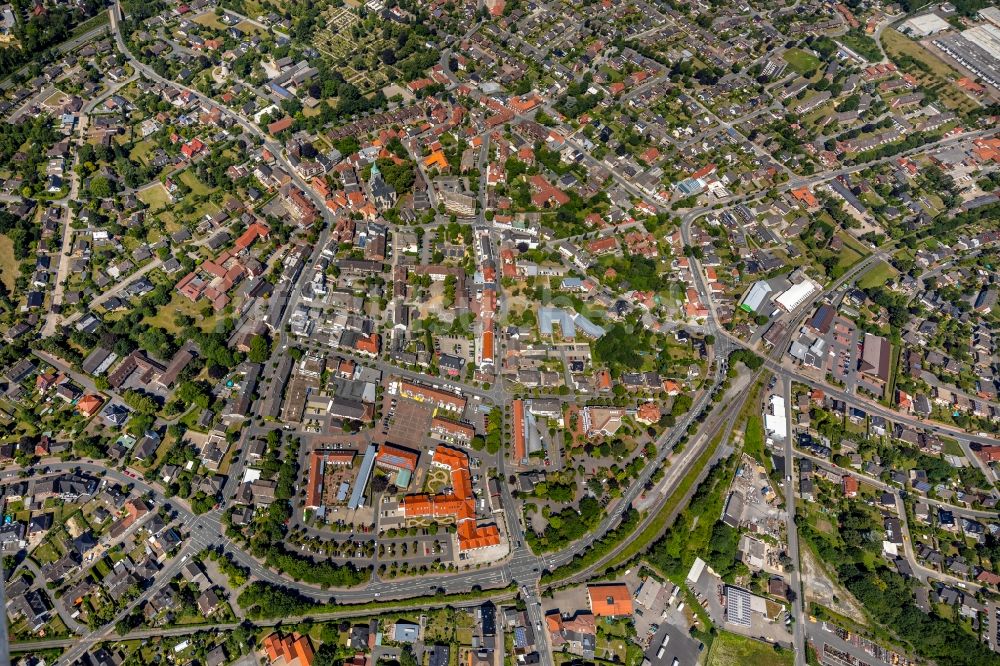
x=976, y=50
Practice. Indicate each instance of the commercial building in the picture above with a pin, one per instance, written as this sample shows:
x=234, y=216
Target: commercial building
x=756, y=297
x=977, y=50
x=361, y=481
x=397, y=459
x=459, y=505
x=875, y=356
x=796, y=295
x=776, y=423
x=452, y=431
x=737, y=606
x=422, y=393
x=922, y=26
x=520, y=449
x=568, y=323
x=318, y=463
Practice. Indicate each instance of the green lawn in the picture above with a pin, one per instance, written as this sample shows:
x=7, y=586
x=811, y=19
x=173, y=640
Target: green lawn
x=210, y=20
x=951, y=447
x=862, y=44
x=753, y=441
x=877, y=275
x=730, y=649
x=141, y=151
x=8, y=264
x=801, y=61
x=890, y=389
x=853, y=243
x=46, y=553
x=180, y=304
x=156, y=196
x=197, y=187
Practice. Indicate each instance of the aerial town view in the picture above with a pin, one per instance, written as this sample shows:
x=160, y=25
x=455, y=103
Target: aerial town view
x=500, y=332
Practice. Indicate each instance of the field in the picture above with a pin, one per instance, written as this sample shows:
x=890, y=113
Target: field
x=210, y=20
x=156, y=196
x=877, y=276
x=862, y=44
x=929, y=70
x=730, y=649
x=753, y=441
x=854, y=244
x=179, y=304
x=952, y=447
x=197, y=187
x=141, y=151
x=801, y=61
x=8, y=264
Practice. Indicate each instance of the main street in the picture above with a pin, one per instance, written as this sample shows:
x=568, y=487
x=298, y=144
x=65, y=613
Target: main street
x=792, y=535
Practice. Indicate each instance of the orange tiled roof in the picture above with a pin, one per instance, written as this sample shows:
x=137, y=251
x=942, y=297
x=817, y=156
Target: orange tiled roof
x=290, y=649
x=459, y=504
x=436, y=159
x=805, y=196
x=610, y=600
x=397, y=457
x=89, y=404
x=519, y=444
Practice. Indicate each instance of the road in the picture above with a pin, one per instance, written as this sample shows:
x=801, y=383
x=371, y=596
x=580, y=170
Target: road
x=65, y=47
x=798, y=611
x=874, y=408
x=114, y=291
x=221, y=627
x=4, y=637
x=52, y=318
x=59, y=604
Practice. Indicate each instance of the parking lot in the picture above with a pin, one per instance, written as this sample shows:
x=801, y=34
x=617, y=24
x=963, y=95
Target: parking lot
x=842, y=341
x=417, y=550
x=406, y=422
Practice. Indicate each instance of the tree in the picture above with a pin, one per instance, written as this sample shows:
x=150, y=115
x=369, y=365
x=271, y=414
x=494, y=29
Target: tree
x=406, y=657
x=260, y=349
x=327, y=655
x=100, y=187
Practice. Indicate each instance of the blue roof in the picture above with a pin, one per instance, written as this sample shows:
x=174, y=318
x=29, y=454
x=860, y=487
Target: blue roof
x=279, y=90
x=405, y=632
x=367, y=463
x=567, y=321
x=690, y=186
x=589, y=328
x=548, y=317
